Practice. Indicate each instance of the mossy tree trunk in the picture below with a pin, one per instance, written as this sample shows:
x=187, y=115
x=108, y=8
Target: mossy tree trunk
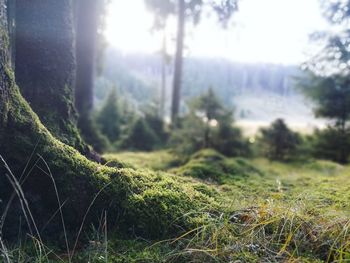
x=45, y=65
x=22, y=134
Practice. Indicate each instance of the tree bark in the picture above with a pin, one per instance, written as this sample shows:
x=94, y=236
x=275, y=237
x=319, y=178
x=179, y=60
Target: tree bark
x=175, y=107
x=45, y=65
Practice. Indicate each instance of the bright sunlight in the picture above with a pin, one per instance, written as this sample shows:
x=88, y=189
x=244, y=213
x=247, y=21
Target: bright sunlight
x=275, y=31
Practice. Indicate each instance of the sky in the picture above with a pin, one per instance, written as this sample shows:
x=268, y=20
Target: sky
x=265, y=31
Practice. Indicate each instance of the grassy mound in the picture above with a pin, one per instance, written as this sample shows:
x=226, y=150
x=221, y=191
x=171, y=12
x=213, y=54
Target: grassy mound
x=210, y=165
x=323, y=166
x=158, y=160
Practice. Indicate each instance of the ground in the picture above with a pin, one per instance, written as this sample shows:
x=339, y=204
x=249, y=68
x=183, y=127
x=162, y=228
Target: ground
x=257, y=211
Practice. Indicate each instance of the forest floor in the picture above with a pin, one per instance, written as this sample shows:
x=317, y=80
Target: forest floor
x=296, y=212
x=265, y=212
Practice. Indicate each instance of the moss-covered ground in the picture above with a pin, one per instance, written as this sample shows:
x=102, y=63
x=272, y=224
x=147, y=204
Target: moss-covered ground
x=158, y=160
x=210, y=208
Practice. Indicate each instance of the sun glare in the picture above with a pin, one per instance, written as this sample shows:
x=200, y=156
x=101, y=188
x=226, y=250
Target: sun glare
x=129, y=27
x=274, y=31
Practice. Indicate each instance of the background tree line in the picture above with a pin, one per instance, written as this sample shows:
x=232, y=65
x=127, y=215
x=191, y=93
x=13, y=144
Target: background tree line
x=138, y=76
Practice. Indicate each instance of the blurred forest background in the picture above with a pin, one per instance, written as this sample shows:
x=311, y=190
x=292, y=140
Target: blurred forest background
x=236, y=84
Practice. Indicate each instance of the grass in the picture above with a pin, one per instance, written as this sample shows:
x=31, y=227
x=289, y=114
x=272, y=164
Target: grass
x=269, y=211
x=257, y=211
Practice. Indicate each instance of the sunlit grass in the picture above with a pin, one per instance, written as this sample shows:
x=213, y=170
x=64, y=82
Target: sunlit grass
x=298, y=212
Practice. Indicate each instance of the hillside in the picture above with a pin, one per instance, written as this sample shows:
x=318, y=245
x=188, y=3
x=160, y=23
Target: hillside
x=257, y=92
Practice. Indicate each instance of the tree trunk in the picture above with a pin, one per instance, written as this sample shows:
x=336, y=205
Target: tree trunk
x=206, y=143
x=175, y=107
x=11, y=12
x=343, y=151
x=163, y=80
x=45, y=65
x=87, y=13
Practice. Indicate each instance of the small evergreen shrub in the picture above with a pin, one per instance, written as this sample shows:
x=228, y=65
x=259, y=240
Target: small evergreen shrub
x=140, y=137
x=109, y=118
x=278, y=142
x=208, y=125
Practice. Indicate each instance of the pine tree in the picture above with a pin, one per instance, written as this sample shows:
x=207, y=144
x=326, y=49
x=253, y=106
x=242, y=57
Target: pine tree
x=328, y=83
